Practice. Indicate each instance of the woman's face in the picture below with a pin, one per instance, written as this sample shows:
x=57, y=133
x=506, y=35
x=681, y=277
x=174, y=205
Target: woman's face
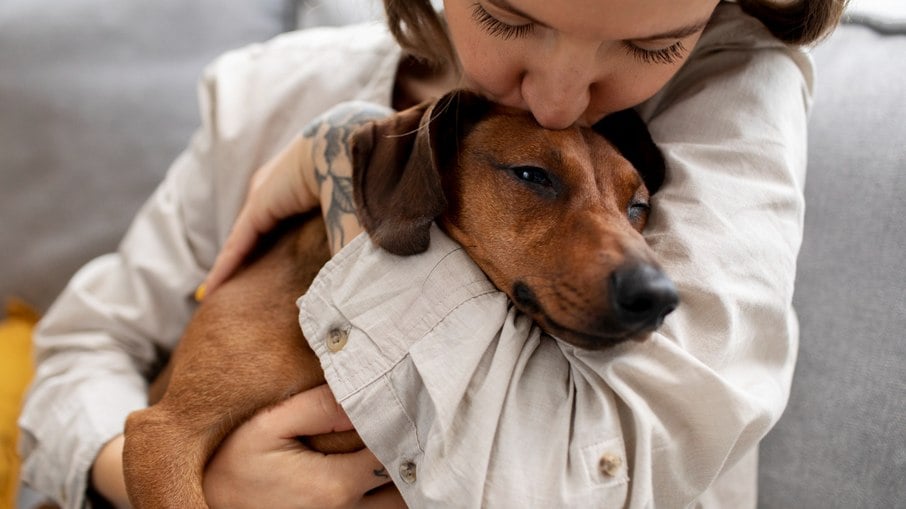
x=573, y=61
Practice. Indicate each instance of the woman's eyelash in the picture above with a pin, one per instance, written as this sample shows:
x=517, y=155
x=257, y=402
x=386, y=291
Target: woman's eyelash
x=498, y=28
x=668, y=55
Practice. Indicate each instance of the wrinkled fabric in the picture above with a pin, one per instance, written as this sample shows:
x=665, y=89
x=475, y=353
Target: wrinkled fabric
x=464, y=399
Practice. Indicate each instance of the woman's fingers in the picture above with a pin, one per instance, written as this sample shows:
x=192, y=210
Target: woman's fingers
x=311, y=412
x=358, y=472
x=314, y=412
x=262, y=464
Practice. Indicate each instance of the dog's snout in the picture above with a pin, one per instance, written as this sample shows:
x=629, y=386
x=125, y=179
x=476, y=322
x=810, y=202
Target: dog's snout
x=642, y=296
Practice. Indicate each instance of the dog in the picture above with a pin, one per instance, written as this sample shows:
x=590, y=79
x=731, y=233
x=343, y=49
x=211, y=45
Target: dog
x=554, y=218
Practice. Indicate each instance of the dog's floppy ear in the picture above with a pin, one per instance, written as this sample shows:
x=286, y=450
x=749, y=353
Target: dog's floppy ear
x=629, y=134
x=397, y=191
x=397, y=162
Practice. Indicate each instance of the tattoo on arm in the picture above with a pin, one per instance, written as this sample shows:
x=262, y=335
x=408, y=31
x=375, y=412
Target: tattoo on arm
x=331, y=135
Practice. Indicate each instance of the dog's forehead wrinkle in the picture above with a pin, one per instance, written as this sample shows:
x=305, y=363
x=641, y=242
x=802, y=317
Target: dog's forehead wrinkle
x=486, y=147
x=485, y=155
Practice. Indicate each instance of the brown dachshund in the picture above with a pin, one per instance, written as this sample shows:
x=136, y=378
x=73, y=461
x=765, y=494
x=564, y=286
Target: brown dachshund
x=552, y=217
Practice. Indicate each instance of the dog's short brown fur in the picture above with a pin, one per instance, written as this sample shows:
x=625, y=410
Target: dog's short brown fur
x=552, y=217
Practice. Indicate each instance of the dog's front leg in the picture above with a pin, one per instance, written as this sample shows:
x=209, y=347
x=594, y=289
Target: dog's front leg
x=242, y=351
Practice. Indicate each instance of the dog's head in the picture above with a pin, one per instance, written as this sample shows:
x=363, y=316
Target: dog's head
x=554, y=218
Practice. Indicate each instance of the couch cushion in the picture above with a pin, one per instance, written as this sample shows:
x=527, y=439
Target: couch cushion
x=842, y=440
x=97, y=97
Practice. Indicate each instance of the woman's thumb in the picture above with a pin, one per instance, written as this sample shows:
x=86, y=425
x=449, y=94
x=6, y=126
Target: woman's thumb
x=311, y=412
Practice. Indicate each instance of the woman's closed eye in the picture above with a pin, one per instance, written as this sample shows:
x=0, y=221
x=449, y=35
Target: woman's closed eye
x=667, y=55
x=498, y=28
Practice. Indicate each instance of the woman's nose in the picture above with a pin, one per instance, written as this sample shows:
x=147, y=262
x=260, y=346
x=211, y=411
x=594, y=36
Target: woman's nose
x=557, y=91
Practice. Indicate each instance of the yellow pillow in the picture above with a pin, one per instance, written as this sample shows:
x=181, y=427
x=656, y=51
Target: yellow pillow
x=16, y=369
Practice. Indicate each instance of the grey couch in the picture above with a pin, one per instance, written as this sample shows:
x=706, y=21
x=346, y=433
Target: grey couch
x=97, y=97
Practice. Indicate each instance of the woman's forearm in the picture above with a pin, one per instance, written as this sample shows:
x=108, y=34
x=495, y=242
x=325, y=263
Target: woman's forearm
x=326, y=143
x=107, y=474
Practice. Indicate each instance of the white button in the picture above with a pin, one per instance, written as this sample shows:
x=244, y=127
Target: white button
x=610, y=464
x=407, y=472
x=336, y=339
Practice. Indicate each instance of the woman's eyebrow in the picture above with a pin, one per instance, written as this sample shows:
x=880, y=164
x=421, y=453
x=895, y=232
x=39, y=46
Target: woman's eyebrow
x=507, y=6
x=678, y=33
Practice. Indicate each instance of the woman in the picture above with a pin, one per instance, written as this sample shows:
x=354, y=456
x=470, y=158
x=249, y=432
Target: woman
x=669, y=422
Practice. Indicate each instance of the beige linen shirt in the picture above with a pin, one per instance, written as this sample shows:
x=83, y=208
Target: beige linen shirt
x=465, y=401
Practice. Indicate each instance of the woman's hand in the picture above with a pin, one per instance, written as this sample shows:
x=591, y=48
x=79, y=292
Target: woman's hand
x=315, y=169
x=261, y=464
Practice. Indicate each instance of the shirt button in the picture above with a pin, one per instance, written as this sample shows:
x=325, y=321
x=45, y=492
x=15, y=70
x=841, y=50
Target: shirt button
x=336, y=339
x=407, y=472
x=609, y=464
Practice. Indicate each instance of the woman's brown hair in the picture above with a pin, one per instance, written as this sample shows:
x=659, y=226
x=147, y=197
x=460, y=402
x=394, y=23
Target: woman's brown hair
x=801, y=22
x=420, y=31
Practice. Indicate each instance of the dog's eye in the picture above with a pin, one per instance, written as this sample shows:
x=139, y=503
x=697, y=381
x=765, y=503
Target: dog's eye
x=533, y=174
x=638, y=211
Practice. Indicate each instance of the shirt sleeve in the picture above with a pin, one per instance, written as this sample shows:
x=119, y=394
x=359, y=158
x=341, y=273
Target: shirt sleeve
x=120, y=314
x=104, y=334
x=467, y=402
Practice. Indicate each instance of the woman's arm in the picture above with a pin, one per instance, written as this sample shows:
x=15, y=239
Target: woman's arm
x=313, y=170
x=101, y=339
x=99, y=342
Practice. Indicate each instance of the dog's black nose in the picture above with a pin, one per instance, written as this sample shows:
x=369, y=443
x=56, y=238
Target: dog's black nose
x=642, y=296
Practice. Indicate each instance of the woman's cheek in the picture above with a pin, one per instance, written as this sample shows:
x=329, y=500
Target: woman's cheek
x=493, y=73
x=632, y=87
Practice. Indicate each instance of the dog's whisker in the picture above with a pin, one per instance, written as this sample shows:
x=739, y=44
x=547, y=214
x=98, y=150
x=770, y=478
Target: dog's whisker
x=569, y=300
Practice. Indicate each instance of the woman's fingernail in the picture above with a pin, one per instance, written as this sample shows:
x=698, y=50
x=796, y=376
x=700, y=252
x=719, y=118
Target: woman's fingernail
x=200, y=292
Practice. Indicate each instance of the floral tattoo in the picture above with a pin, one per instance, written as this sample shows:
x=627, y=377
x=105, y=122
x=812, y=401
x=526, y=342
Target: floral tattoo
x=331, y=135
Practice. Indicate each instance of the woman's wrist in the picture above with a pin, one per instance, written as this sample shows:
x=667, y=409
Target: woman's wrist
x=107, y=474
